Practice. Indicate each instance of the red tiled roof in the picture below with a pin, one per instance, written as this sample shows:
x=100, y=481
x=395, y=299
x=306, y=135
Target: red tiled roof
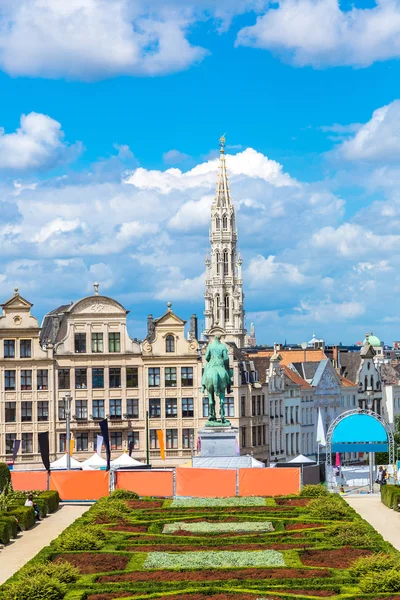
x=296, y=356
x=295, y=377
x=346, y=382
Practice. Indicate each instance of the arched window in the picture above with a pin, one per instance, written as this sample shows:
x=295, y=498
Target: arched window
x=224, y=222
x=217, y=261
x=218, y=223
x=226, y=265
x=170, y=343
x=369, y=366
x=365, y=383
x=372, y=382
x=216, y=306
x=227, y=308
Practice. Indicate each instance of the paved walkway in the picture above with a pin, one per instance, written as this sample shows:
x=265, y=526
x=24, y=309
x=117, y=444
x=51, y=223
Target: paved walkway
x=385, y=520
x=30, y=542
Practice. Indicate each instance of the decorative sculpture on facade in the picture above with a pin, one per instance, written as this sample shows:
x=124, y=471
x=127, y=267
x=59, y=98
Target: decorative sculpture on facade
x=216, y=379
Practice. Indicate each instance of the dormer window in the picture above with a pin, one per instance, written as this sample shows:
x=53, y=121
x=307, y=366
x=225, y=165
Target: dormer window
x=170, y=343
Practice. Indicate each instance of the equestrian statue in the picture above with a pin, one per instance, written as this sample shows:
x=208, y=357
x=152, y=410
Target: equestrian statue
x=216, y=379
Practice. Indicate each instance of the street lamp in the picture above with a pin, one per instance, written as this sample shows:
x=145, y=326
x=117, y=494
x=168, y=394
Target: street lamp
x=67, y=409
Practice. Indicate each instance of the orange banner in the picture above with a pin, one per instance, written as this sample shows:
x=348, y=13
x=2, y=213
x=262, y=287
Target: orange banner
x=146, y=483
x=29, y=480
x=71, y=446
x=160, y=437
x=269, y=481
x=80, y=485
x=210, y=483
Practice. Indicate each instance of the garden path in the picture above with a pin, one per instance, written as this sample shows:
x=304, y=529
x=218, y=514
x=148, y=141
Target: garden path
x=30, y=542
x=385, y=520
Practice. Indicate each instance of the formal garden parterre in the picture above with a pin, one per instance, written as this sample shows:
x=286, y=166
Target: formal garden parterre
x=288, y=548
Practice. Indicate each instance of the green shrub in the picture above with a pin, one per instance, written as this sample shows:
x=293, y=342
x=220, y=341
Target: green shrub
x=390, y=496
x=8, y=528
x=63, y=571
x=329, y=507
x=25, y=516
x=53, y=499
x=386, y=581
x=124, y=495
x=5, y=476
x=38, y=587
x=351, y=534
x=107, y=511
x=314, y=491
x=376, y=563
x=80, y=538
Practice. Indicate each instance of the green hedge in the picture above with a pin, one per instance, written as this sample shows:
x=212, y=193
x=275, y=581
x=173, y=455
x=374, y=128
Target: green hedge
x=390, y=496
x=52, y=498
x=8, y=528
x=25, y=515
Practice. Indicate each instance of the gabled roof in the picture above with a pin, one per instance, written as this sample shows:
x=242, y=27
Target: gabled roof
x=17, y=300
x=349, y=365
x=346, y=382
x=306, y=370
x=295, y=378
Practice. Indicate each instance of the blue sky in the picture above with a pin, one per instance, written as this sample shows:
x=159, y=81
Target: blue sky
x=99, y=101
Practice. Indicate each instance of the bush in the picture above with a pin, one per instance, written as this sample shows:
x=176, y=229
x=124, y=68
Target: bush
x=5, y=476
x=124, y=495
x=81, y=538
x=314, y=491
x=330, y=507
x=63, y=571
x=25, y=516
x=52, y=498
x=351, y=534
x=8, y=528
x=390, y=496
x=38, y=587
x=376, y=563
x=386, y=581
x=106, y=511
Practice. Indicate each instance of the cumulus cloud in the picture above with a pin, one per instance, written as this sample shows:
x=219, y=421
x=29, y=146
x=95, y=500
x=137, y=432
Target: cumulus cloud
x=325, y=311
x=36, y=144
x=321, y=34
x=263, y=271
x=376, y=140
x=192, y=215
x=173, y=157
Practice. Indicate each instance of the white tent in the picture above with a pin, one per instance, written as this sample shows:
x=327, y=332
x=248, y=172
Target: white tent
x=94, y=462
x=227, y=462
x=301, y=459
x=61, y=463
x=125, y=461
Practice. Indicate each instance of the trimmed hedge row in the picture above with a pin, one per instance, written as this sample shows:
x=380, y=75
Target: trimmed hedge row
x=390, y=496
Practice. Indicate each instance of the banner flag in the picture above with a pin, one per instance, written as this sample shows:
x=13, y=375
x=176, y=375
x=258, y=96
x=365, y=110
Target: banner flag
x=160, y=437
x=16, y=446
x=198, y=445
x=99, y=444
x=237, y=447
x=106, y=439
x=320, y=430
x=71, y=446
x=131, y=444
x=43, y=438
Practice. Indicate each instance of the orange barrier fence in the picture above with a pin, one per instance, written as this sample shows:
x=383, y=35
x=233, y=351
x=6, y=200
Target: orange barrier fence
x=146, y=483
x=29, y=480
x=210, y=483
x=80, y=485
x=269, y=482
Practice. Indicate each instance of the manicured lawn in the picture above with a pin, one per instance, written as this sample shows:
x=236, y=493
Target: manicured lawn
x=222, y=549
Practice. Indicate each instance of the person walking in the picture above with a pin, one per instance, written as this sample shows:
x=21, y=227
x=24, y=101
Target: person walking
x=382, y=476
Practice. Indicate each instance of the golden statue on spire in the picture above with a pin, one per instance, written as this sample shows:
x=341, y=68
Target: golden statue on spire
x=222, y=144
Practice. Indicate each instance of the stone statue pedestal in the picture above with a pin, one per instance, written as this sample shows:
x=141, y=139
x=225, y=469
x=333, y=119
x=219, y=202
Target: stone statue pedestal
x=218, y=441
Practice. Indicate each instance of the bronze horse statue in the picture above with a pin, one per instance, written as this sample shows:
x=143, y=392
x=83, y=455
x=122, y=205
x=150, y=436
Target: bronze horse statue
x=216, y=379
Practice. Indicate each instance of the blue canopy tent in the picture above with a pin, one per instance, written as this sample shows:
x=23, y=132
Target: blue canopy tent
x=359, y=431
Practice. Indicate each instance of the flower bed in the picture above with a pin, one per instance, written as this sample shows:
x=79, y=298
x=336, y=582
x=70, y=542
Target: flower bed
x=217, y=502
x=241, y=549
x=209, y=560
x=206, y=527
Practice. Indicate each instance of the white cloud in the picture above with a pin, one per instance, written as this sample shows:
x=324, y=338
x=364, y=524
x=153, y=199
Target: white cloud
x=378, y=139
x=36, y=144
x=173, y=157
x=263, y=271
x=132, y=230
x=354, y=241
x=325, y=311
x=54, y=228
x=321, y=34
x=192, y=215
x=178, y=287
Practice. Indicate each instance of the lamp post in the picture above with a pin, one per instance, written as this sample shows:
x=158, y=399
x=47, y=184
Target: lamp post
x=67, y=408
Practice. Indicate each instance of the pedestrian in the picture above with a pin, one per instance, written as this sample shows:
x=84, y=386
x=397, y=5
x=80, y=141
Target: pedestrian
x=382, y=476
x=29, y=502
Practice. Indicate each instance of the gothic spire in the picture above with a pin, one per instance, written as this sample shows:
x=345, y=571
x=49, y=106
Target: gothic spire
x=222, y=196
